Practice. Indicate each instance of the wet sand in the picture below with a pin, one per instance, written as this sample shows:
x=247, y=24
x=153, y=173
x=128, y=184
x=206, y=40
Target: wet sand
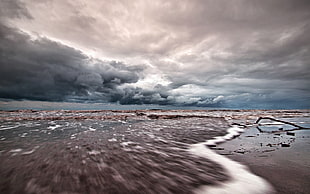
x=282, y=158
x=117, y=151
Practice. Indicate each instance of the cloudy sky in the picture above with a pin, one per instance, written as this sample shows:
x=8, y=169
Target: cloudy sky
x=217, y=53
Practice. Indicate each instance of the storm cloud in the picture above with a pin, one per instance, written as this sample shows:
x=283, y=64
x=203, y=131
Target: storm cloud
x=203, y=53
x=41, y=69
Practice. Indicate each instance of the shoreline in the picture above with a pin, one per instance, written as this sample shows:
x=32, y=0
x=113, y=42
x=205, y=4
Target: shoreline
x=174, y=141
x=285, y=167
x=242, y=180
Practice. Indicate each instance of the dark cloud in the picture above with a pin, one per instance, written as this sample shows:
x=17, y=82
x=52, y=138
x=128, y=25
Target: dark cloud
x=41, y=69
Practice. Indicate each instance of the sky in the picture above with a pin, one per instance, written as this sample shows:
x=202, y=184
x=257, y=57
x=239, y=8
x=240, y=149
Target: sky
x=207, y=53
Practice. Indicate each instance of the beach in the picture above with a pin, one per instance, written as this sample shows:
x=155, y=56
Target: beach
x=280, y=157
x=149, y=151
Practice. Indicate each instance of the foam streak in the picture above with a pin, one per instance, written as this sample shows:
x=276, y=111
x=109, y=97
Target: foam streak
x=242, y=180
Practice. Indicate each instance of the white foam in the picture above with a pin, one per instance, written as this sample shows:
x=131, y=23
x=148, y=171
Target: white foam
x=15, y=150
x=73, y=136
x=92, y=129
x=231, y=133
x=24, y=135
x=242, y=180
x=112, y=140
x=54, y=127
x=5, y=128
x=29, y=152
x=126, y=143
x=94, y=152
